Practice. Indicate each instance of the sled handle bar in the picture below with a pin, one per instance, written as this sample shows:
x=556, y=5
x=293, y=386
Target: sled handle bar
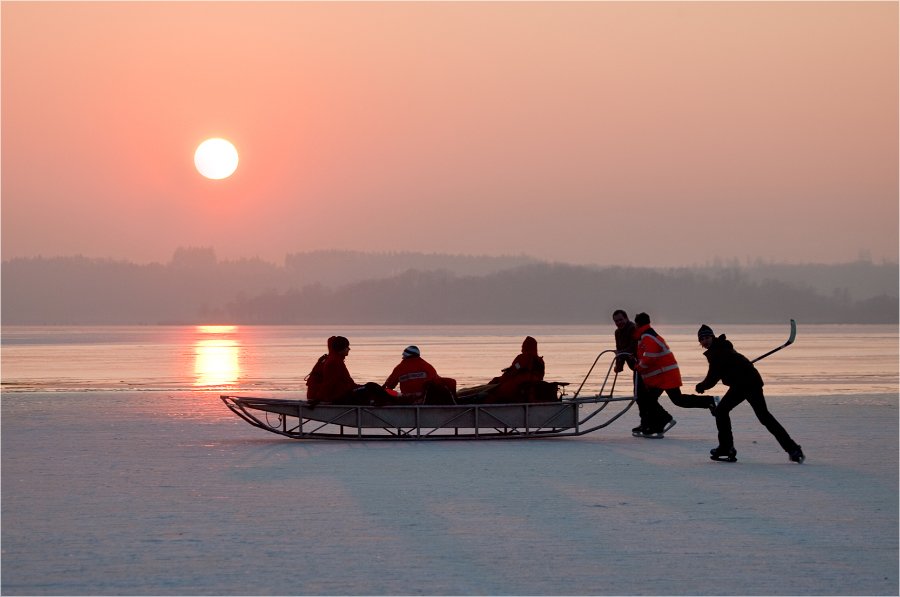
x=592, y=368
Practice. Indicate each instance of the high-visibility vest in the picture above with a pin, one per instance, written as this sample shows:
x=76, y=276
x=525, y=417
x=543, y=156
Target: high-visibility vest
x=656, y=363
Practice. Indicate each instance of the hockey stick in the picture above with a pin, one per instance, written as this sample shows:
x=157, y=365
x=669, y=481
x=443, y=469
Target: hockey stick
x=788, y=343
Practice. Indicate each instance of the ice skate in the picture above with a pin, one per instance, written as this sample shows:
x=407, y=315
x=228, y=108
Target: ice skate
x=714, y=405
x=638, y=431
x=797, y=456
x=658, y=432
x=729, y=455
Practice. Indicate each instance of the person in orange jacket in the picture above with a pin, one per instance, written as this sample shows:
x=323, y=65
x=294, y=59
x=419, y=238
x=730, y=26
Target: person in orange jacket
x=339, y=388
x=316, y=376
x=527, y=367
x=660, y=373
x=415, y=375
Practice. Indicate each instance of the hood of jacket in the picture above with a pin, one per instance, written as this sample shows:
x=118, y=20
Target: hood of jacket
x=721, y=344
x=529, y=346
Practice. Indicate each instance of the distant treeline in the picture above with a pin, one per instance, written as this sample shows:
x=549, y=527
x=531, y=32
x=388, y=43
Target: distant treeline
x=856, y=280
x=558, y=294
x=195, y=287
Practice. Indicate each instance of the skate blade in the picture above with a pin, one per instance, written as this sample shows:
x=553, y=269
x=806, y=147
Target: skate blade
x=669, y=425
x=651, y=435
x=724, y=458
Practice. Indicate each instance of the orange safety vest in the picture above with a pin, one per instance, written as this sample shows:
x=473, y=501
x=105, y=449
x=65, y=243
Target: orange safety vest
x=656, y=363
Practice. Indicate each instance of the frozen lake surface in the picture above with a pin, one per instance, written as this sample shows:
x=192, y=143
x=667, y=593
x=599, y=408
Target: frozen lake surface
x=124, y=474
x=168, y=493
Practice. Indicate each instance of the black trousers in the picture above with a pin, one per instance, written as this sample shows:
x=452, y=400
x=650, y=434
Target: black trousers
x=652, y=412
x=754, y=396
x=366, y=395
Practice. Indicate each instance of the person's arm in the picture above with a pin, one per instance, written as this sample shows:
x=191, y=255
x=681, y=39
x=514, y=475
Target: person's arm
x=644, y=362
x=337, y=380
x=518, y=367
x=393, y=379
x=630, y=347
x=431, y=372
x=713, y=376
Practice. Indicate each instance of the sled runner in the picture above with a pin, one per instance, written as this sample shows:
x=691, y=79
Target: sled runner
x=564, y=416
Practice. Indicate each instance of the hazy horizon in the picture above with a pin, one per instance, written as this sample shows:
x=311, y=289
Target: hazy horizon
x=713, y=260
x=604, y=133
x=196, y=287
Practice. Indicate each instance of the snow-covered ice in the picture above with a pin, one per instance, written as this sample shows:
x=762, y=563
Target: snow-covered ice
x=150, y=493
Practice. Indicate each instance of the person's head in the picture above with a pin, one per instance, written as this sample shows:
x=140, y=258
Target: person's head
x=705, y=336
x=341, y=345
x=529, y=346
x=641, y=319
x=411, y=351
x=620, y=318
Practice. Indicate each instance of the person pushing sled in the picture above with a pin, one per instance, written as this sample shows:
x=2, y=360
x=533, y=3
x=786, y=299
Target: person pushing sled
x=659, y=372
x=745, y=383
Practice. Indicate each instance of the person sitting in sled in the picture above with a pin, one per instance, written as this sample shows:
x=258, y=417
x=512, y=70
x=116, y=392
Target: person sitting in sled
x=659, y=372
x=528, y=367
x=417, y=377
x=744, y=383
x=339, y=388
x=315, y=377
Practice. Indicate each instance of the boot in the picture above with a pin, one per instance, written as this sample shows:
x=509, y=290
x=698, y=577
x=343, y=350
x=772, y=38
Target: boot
x=726, y=454
x=797, y=456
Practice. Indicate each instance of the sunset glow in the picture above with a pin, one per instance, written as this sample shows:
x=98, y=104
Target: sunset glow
x=216, y=158
x=770, y=126
x=216, y=357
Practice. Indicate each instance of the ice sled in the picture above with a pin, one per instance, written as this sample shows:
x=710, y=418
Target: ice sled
x=567, y=416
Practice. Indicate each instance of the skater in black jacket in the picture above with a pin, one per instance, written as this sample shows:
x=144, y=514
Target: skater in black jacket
x=745, y=383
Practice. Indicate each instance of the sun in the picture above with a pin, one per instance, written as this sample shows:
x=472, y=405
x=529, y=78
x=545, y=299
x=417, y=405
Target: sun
x=216, y=158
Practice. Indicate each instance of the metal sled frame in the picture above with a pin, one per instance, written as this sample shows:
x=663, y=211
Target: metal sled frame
x=297, y=420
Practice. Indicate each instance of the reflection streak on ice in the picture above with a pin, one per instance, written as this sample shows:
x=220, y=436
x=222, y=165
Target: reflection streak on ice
x=824, y=359
x=216, y=359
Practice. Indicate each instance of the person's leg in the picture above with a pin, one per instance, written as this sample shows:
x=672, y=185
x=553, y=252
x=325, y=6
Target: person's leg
x=689, y=400
x=758, y=401
x=505, y=393
x=723, y=421
x=656, y=415
x=355, y=397
x=639, y=391
x=374, y=393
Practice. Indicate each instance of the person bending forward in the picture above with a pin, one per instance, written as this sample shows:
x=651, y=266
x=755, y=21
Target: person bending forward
x=745, y=383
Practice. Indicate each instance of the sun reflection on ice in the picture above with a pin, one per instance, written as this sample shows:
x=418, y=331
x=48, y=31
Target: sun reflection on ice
x=216, y=356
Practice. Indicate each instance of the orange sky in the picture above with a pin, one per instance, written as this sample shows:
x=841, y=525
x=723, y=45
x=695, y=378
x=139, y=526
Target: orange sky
x=609, y=133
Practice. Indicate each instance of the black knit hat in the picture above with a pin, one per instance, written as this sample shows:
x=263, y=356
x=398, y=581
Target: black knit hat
x=340, y=343
x=411, y=351
x=705, y=330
